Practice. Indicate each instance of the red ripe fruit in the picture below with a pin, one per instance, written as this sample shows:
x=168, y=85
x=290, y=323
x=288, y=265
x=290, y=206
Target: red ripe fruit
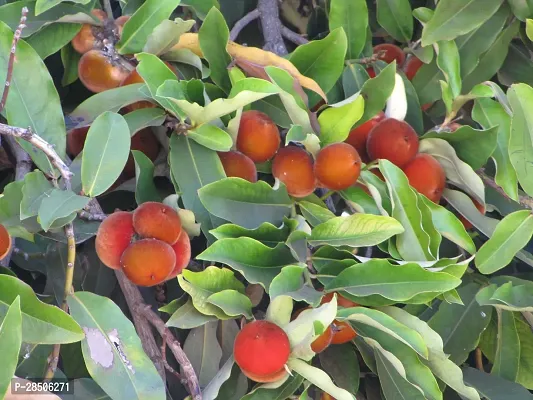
x=337, y=166
x=182, y=249
x=5, y=242
x=261, y=350
x=390, y=52
x=238, y=165
x=258, y=136
x=358, y=136
x=113, y=237
x=294, y=167
x=371, y=73
x=412, y=66
x=392, y=140
x=157, y=221
x=427, y=176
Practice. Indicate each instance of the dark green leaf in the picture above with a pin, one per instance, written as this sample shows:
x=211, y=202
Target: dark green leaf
x=353, y=78
x=59, y=204
x=52, y=38
x=376, y=91
x=145, y=189
x=10, y=341
x=352, y=16
x=341, y=363
x=395, y=17
x=507, y=356
x=201, y=7
x=204, y=352
x=493, y=387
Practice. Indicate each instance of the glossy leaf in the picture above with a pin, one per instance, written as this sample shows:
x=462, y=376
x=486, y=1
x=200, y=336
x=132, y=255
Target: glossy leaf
x=52, y=38
x=509, y=237
x=212, y=137
x=166, y=35
x=353, y=78
x=352, y=16
x=105, y=153
x=395, y=17
x=449, y=63
x=287, y=388
x=395, y=282
x=192, y=167
x=112, y=350
x=357, y=230
x=10, y=342
x=291, y=282
x=41, y=323
x=188, y=317
x=232, y=302
x=461, y=326
x=376, y=92
x=59, y=204
x=244, y=203
x=36, y=188
x=257, y=262
x=337, y=121
x=521, y=142
x=507, y=357
x=266, y=233
x=322, y=60
x=142, y=23
x=457, y=17
x=507, y=296
x=145, y=189
x=213, y=36
x=341, y=364
x=41, y=113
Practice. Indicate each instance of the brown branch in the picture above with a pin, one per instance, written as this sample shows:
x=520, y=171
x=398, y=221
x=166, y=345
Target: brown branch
x=89, y=216
x=241, y=24
x=16, y=37
x=294, y=37
x=526, y=201
x=167, y=365
x=479, y=360
x=271, y=24
x=143, y=328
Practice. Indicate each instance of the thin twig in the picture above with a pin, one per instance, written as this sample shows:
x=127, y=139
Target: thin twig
x=143, y=328
x=16, y=37
x=479, y=359
x=526, y=201
x=67, y=291
x=271, y=24
x=294, y=37
x=241, y=24
x=175, y=347
x=167, y=365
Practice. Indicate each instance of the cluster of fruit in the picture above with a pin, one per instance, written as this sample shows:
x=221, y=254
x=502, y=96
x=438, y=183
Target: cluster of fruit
x=390, y=52
x=262, y=348
x=336, y=167
x=148, y=245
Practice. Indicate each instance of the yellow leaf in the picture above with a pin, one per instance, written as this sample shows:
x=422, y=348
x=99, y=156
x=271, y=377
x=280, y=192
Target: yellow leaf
x=253, y=56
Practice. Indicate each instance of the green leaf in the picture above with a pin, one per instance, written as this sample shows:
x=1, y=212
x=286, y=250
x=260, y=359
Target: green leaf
x=521, y=141
x=144, y=118
x=475, y=43
x=509, y=237
x=201, y=7
x=45, y=5
x=10, y=342
x=507, y=357
x=155, y=73
x=52, y=38
x=376, y=92
x=322, y=60
x=395, y=282
x=142, y=23
x=461, y=326
x=43, y=113
x=166, y=35
x=507, y=296
x=492, y=60
x=529, y=29
x=232, y=302
x=337, y=121
x=70, y=59
x=244, y=203
x=493, y=387
x=266, y=233
x=112, y=351
x=36, y=188
x=392, y=377
x=212, y=137
x=201, y=285
x=395, y=17
x=449, y=226
x=188, y=317
x=105, y=153
x=257, y=262
x=457, y=17
x=353, y=78
x=449, y=63
x=110, y=100
x=415, y=242
x=265, y=392
x=426, y=83
x=204, y=352
x=319, y=378
x=41, y=323
x=193, y=166
x=352, y=16
x=59, y=204
x=315, y=214
x=473, y=146
x=214, y=35
x=341, y=364
x=145, y=189
x=414, y=111
x=291, y=282
x=459, y=173
x=357, y=230
x=437, y=361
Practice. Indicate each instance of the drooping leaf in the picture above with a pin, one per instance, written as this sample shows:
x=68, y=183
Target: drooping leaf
x=112, y=350
x=105, y=153
x=166, y=35
x=145, y=189
x=448, y=62
x=341, y=364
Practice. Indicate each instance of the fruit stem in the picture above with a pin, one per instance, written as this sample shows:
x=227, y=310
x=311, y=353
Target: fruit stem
x=328, y=194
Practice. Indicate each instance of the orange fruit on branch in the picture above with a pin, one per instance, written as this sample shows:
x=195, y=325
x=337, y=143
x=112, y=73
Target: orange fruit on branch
x=427, y=176
x=98, y=72
x=258, y=136
x=392, y=140
x=157, y=221
x=337, y=166
x=293, y=166
x=114, y=235
x=238, y=165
